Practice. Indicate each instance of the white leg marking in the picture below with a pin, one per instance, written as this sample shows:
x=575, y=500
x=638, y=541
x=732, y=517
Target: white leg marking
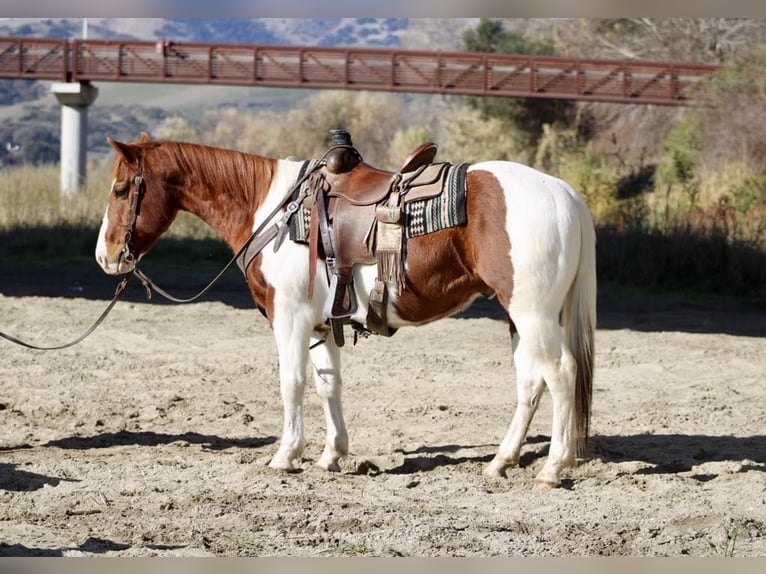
x=529, y=388
x=560, y=378
x=292, y=344
x=326, y=362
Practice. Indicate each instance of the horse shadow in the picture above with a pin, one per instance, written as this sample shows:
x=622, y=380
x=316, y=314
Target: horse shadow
x=13, y=479
x=667, y=454
x=91, y=545
x=150, y=438
x=430, y=458
x=676, y=453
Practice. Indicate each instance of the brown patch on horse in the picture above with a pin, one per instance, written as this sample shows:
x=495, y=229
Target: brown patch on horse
x=222, y=187
x=445, y=269
x=261, y=290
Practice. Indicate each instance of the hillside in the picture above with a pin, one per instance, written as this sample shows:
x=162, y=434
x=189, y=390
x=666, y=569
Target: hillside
x=30, y=115
x=302, y=31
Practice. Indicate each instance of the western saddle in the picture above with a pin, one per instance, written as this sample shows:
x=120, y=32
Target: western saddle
x=356, y=218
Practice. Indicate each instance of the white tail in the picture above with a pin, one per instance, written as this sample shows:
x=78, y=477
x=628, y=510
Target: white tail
x=580, y=325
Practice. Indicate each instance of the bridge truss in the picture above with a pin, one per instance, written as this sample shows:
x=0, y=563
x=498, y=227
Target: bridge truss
x=461, y=73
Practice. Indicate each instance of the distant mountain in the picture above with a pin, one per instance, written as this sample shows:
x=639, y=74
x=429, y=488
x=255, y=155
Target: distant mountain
x=299, y=31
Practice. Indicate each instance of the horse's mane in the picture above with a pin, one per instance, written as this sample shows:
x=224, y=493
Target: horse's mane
x=226, y=171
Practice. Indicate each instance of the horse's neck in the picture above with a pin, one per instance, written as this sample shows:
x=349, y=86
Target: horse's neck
x=228, y=197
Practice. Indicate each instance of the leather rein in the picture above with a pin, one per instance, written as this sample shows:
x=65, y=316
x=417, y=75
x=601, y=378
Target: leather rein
x=250, y=249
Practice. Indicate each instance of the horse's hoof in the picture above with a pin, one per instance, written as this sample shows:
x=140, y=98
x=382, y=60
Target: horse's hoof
x=329, y=461
x=544, y=485
x=495, y=471
x=283, y=465
x=331, y=467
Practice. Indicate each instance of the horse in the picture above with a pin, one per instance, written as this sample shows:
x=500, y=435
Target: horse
x=528, y=240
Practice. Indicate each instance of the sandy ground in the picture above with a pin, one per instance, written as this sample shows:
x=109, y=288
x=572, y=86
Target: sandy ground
x=151, y=437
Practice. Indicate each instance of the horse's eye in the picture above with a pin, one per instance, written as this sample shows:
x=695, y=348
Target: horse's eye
x=121, y=190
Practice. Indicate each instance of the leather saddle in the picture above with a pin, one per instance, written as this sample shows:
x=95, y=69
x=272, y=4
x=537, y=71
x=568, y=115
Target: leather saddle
x=352, y=202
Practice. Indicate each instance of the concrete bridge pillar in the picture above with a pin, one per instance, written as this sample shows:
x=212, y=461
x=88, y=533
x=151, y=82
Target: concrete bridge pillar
x=74, y=97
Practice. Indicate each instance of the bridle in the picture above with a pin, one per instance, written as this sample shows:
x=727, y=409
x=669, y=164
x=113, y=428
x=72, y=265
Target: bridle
x=127, y=255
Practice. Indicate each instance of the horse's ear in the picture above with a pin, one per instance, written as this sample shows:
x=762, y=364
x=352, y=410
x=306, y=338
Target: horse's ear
x=127, y=151
x=144, y=138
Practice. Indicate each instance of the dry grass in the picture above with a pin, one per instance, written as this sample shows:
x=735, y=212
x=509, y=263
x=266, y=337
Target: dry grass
x=30, y=198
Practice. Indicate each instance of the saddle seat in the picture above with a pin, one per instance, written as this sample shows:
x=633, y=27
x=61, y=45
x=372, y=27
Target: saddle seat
x=364, y=184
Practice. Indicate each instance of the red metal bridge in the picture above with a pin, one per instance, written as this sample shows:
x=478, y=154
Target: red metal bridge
x=463, y=73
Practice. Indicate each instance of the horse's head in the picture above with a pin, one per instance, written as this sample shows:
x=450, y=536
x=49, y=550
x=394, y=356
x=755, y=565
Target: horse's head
x=140, y=207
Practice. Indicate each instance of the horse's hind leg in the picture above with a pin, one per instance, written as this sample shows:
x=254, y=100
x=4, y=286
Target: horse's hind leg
x=529, y=388
x=325, y=359
x=541, y=360
x=560, y=377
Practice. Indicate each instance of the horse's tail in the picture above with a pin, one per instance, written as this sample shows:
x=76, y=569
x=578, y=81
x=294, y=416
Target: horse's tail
x=580, y=325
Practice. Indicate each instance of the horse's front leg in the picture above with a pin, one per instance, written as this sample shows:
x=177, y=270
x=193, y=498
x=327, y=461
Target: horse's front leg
x=292, y=349
x=325, y=358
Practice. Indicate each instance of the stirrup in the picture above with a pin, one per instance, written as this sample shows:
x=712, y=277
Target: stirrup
x=336, y=306
x=337, y=332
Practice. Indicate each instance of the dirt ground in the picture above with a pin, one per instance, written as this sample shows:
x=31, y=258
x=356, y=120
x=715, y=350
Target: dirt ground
x=151, y=438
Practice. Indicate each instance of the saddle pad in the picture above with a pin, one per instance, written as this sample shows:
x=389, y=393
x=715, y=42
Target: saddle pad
x=445, y=210
x=420, y=216
x=300, y=221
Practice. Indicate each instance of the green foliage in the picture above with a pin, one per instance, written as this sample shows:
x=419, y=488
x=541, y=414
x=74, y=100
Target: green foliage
x=726, y=548
x=349, y=549
x=595, y=178
x=729, y=127
x=176, y=128
x=527, y=115
x=684, y=245
x=749, y=193
x=471, y=138
x=404, y=142
x=681, y=146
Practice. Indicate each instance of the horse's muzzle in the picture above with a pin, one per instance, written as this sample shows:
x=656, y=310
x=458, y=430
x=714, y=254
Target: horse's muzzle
x=115, y=265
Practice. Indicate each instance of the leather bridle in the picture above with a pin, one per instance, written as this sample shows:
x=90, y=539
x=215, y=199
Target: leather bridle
x=127, y=255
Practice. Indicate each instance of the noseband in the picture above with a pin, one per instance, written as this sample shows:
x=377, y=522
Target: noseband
x=127, y=254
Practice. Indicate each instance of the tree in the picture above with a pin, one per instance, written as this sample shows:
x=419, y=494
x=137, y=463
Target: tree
x=176, y=128
x=528, y=115
x=704, y=40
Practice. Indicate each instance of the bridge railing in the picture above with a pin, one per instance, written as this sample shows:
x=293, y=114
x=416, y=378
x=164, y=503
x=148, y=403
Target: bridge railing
x=627, y=81
x=34, y=58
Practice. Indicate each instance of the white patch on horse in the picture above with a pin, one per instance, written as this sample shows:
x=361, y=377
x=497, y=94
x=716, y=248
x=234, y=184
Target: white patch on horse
x=101, y=252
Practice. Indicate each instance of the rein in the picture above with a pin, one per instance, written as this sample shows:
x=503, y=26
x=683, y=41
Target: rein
x=120, y=288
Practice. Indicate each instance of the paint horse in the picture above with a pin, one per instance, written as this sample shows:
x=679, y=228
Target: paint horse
x=528, y=239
